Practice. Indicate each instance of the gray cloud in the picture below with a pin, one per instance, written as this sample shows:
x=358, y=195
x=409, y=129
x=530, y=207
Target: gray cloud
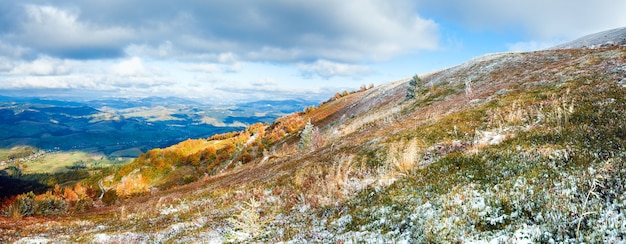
x=271, y=30
x=119, y=46
x=149, y=47
x=58, y=32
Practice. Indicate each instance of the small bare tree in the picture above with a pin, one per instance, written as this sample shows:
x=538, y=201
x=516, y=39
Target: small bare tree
x=468, y=88
x=310, y=138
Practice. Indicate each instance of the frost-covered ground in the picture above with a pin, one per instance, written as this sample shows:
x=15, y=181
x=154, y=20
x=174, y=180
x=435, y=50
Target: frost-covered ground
x=611, y=37
x=534, y=154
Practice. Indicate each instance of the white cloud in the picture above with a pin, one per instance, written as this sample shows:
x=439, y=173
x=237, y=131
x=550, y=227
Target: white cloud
x=101, y=83
x=129, y=67
x=204, y=67
x=228, y=57
x=44, y=66
x=211, y=67
x=327, y=69
x=51, y=82
x=265, y=83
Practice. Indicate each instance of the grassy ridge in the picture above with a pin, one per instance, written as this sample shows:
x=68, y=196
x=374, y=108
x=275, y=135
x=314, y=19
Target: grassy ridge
x=533, y=152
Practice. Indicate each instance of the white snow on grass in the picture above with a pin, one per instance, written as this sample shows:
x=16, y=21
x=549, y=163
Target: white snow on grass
x=170, y=209
x=494, y=137
x=34, y=240
x=126, y=237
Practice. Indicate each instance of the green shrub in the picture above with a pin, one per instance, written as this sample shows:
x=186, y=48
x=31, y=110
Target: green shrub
x=110, y=197
x=24, y=205
x=83, y=205
x=188, y=179
x=49, y=204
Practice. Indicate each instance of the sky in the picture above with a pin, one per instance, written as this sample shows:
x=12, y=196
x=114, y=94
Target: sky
x=224, y=51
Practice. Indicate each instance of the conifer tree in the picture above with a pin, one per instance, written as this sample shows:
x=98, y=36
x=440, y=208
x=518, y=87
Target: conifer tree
x=416, y=87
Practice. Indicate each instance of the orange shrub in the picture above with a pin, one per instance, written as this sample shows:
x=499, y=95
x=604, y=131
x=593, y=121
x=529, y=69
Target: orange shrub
x=289, y=124
x=131, y=186
x=70, y=196
x=81, y=191
x=194, y=159
x=209, y=150
x=58, y=190
x=224, y=136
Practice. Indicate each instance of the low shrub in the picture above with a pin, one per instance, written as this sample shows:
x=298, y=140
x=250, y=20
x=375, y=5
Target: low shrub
x=50, y=204
x=132, y=186
x=24, y=205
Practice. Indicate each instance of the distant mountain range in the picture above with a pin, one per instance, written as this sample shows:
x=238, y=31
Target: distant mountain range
x=113, y=126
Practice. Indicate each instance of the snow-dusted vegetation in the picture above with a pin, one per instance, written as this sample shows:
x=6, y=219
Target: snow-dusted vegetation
x=534, y=153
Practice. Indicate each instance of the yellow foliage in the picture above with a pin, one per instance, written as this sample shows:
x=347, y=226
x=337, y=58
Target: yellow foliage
x=289, y=124
x=57, y=190
x=81, y=191
x=70, y=195
x=210, y=149
x=132, y=185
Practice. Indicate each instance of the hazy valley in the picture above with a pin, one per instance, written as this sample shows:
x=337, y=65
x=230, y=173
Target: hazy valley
x=45, y=136
x=123, y=127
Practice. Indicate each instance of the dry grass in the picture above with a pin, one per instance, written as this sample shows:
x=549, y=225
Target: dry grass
x=326, y=184
x=336, y=182
x=247, y=223
x=517, y=115
x=431, y=182
x=372, y=119
x=404, y=157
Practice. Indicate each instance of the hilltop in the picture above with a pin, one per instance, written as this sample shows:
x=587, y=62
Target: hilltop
x=511, y=147
x=615, y=36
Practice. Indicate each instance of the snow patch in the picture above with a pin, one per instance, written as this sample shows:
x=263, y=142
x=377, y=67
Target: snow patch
x=171, y=209
x=491, y=137
x=34, y=240
x=126, y=237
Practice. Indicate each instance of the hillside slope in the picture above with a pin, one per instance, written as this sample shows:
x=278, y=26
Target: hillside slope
x=615, y=36
x=514, y=147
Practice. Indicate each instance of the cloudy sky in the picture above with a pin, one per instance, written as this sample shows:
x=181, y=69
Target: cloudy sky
x=228, y=50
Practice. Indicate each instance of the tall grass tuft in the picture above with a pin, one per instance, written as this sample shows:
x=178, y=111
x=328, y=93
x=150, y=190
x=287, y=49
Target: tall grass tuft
x=404, y=157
